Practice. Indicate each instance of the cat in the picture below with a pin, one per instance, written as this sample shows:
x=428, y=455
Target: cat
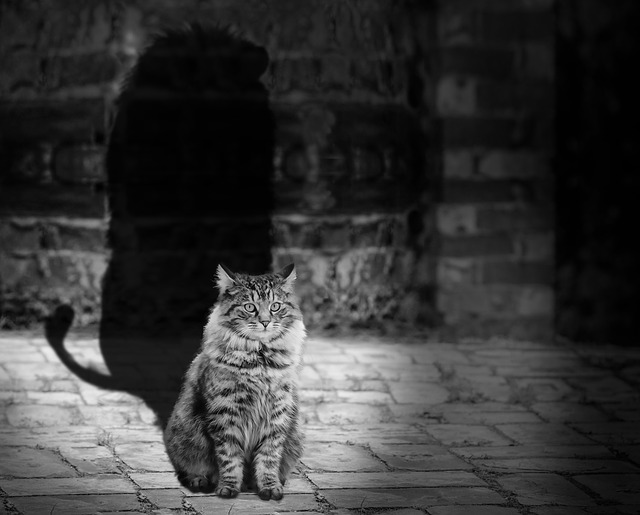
x=235, y=424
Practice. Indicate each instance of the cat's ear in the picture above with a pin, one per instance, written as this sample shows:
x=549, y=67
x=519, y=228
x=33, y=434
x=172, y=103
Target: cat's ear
x=288, y=273
x=225, y=278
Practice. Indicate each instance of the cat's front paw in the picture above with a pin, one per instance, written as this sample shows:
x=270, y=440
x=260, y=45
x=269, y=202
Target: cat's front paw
x=226, y=491
x=275, y=492
x=196, y=483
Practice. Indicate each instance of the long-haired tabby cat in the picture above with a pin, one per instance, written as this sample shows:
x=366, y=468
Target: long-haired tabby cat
x=235, y=423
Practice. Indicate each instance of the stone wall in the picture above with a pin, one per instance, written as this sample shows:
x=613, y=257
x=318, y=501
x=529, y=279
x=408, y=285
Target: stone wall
x=409, y=142
x=495, y=222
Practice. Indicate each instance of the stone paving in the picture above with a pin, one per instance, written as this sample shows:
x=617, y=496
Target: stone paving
x=400, y=426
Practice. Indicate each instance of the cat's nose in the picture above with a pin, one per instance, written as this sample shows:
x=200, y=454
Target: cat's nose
x=265, y=323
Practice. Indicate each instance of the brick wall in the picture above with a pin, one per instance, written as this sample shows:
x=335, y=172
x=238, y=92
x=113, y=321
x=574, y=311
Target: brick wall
x=411, y=160
x=495, y=222
x=54, y=85
x=347, y=161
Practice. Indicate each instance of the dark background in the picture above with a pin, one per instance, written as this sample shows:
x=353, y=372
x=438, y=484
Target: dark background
x=463, y=167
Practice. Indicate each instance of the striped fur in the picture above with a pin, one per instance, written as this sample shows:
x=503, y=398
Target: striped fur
x=235, y=424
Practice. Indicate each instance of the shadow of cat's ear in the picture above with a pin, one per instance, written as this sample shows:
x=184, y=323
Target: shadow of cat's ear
x=225, y=278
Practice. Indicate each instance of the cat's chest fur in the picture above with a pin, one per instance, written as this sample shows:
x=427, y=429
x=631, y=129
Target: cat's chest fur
x=255, y=390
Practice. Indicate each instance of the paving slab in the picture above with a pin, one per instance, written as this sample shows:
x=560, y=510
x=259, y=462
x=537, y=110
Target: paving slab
x=585, y=510
x=32, y=415
x=411, y=497
x=557, y=434
x=77, y=504
x=611, y=433
x=407, y=426
x=535, y=489
x=475, y=510
x=150, y=456
x=396, y=480
x=251, y=504
x=340, y=457
x=460, y=435
x=569, y=412
x=567, y=465
x=624, y=488
x=169, y=498
x=418, y=457
x=95, y=459
x=28, y=462
x=533, y=451
x=415, y=392
x=493, y=418
x=347, y=413
x=102, y=484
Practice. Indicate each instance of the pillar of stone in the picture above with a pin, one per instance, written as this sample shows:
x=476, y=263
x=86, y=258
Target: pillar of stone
x=349, y=162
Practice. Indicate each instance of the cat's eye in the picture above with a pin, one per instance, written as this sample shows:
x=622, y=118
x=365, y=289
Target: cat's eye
x=250, y=308
x=275, y=306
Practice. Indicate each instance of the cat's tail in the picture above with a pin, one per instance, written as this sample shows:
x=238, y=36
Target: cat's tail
x=56, y=327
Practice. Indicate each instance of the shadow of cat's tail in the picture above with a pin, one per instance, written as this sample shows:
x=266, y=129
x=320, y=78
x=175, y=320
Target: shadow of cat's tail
x=56, y=328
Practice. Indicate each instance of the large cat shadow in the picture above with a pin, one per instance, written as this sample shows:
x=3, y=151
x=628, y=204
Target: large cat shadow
x=149, y=368
x=190, y=170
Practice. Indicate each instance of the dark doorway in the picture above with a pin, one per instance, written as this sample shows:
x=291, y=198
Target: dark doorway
x=189, y=177
x=597, y=256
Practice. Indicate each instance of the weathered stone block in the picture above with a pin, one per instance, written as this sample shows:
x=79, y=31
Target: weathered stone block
x=27, y=164
x=475, y=191
x=20, y=71
x=544, y=489
x=53, y=120
x=403, y=497
x=104, y=484
x=335, y=71
x=456, y=27
x=514, y=272
x=249, y=503
x=63, y=71
x=52, y=199
x=339, y=457
x=456, y=96
x=478, y=131
x=502, y=164
x=91, y=237
x=78, y=503
x=458, y=163
x=483, y=245
x=536, y=301
x=454, y=220
x=18, y=235
x=457, y=271
x=495, y=301
x=29, y=415
x=80, y=164
x=17, y=271
x=336, y=235
x=516, y=26
x=386, y=78
x=26, y=462
x=515, y=218
x=535, y=246
x=538, y=61
x=510, y=97
x=480, y=61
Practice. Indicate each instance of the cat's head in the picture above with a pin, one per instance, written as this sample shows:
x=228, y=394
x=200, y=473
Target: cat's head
x=260, y=307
